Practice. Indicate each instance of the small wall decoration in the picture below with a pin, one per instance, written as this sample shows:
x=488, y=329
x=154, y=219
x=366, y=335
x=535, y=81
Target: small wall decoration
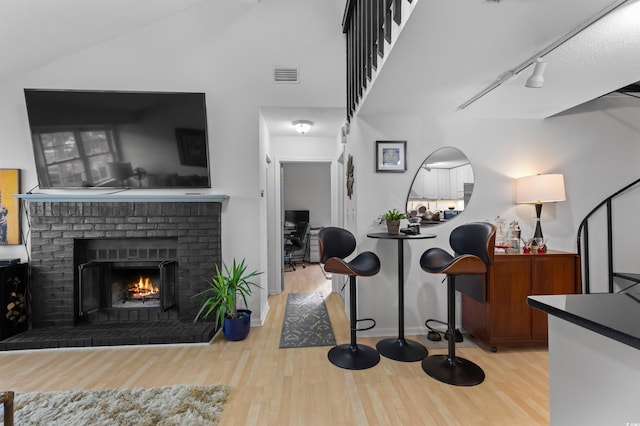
x=391, y=156
x=9, y=206
x=350, y=177
x=192, y=146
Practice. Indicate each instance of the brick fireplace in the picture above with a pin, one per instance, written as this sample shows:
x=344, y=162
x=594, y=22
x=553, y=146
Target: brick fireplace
x=60, y=229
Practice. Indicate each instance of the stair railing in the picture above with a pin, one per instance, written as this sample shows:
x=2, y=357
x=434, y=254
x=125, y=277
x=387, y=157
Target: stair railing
x=367, y=25
x=583, y=240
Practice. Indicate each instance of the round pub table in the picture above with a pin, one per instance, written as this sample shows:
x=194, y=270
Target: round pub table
x=398, y=348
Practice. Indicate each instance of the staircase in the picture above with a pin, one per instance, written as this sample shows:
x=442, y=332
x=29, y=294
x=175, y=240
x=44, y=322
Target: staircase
x=608, y=243
x=371, y=27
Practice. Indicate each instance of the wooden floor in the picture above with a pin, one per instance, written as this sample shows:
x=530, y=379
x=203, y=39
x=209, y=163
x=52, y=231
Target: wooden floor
x=273, y=386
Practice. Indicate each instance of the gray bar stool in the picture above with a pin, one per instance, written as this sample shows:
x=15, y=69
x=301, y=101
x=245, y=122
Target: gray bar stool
x=473, y=245
x=335, y=244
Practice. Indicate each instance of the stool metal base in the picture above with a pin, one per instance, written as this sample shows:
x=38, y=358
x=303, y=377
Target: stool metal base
x=353, y=357
x=401, y=349
x=457, y=371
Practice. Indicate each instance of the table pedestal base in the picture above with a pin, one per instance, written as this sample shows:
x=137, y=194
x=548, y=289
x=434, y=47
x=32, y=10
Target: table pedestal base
x=401, y=349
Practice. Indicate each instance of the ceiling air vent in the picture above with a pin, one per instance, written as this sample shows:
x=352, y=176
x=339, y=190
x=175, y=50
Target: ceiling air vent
x=285, y=75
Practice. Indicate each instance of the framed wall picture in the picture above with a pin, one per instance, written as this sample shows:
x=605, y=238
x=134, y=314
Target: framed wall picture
x=192, y=146
x=391, y=156
x=9, y=207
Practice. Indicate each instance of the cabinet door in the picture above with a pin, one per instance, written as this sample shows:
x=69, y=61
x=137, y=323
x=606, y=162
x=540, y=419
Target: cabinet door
x=431, y=184
x=510, y=284
x=551, y=274
x=417, y=189
x=443, y=184
x=453, y=183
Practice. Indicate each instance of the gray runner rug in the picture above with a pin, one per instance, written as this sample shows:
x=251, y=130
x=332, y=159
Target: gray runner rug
x=306, y=322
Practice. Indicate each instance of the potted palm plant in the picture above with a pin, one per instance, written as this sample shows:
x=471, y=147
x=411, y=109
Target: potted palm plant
x=393, y=218
x=220, y=299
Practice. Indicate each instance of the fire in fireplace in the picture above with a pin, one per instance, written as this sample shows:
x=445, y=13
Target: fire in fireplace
x=134, y=285
x=141, y=290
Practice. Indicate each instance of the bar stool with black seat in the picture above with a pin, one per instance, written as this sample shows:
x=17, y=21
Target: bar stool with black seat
x=473, y=245
x=335, y=244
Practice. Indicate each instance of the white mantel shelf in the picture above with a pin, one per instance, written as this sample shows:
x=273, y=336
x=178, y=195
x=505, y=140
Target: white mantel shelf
x=125, y=197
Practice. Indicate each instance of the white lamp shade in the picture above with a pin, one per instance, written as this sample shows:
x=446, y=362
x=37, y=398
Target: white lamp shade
x=540, y=189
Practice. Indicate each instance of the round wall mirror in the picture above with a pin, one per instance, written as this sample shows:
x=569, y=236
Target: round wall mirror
x=441, y=189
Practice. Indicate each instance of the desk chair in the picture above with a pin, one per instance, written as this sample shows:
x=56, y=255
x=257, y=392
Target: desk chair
x=295, y=245
x=473, y=245
x=335, y=244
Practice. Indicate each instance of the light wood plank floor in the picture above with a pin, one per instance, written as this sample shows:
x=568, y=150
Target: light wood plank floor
x=273, y=386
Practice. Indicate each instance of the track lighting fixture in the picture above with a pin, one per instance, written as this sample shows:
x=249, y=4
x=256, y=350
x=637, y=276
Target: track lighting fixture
x=537, y=78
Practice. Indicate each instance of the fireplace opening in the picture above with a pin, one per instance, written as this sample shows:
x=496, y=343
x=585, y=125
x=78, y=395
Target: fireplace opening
x=126, y=279
x=127, y=285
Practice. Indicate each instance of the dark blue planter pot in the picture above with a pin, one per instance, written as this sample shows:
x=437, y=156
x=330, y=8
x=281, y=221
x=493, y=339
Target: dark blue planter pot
x=237, y=328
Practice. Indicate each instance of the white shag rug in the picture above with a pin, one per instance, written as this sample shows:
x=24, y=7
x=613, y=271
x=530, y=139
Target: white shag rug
x=167, y=405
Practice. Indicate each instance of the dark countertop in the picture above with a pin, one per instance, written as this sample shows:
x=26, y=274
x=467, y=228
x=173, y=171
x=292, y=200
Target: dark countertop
x=616, y=316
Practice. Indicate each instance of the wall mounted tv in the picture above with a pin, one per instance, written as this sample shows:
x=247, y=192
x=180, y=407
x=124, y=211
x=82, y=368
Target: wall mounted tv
x=114, y=139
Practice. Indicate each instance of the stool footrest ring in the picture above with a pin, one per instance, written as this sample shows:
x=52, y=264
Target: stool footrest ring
x=366, y=328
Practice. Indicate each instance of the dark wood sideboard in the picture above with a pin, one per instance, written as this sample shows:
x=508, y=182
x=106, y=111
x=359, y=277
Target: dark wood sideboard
x=498, y=315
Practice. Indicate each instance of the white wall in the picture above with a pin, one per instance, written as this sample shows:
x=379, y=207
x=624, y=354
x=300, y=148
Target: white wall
x=596, y=147
x=232, y=62
x=307, y=186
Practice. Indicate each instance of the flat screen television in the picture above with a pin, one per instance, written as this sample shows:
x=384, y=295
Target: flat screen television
x=116, y=139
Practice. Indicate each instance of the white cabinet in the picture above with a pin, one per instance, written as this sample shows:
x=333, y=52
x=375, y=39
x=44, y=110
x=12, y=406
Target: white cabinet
x=441, y=184
x=417, y=189
x=444, y=190
x=431, y=184
x=462, y=175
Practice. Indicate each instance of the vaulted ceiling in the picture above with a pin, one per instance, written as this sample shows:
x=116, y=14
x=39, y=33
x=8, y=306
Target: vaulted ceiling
x=448, y=52
x=36, y=32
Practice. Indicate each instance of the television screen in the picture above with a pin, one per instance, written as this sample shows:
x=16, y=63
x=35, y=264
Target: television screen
x=103, y=139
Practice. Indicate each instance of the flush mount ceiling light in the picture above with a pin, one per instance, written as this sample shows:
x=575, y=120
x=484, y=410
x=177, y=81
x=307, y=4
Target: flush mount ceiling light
x=537, y=78
x=302, y=126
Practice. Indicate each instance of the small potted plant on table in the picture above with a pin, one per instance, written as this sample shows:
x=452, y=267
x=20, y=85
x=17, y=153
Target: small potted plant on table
x=393, y=218
x=220, y=299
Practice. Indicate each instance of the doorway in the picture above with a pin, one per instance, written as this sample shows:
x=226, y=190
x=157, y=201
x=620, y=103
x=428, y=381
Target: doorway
x=281, y=145
x=306, y=187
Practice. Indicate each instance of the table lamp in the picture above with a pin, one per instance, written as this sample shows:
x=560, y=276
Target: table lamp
x=540, y=189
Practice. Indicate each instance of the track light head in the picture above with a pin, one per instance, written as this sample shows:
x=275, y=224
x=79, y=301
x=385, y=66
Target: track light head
x=537, y=79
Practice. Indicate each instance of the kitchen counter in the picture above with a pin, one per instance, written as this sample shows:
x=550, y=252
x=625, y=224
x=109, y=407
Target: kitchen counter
x=594, y=357
x=616, y=316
